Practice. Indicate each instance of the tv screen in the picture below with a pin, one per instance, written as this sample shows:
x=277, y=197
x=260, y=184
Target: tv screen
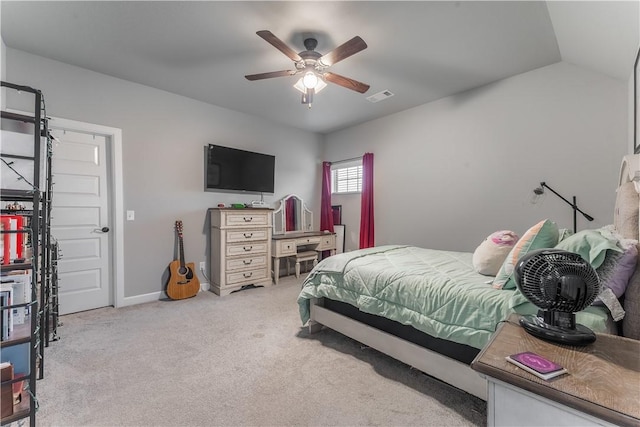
x=238, y=170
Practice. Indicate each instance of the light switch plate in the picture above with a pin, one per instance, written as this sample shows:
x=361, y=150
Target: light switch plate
x=131, y=215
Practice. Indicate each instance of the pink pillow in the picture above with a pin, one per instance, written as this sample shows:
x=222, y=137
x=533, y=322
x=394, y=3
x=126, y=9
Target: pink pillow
x=489, y=256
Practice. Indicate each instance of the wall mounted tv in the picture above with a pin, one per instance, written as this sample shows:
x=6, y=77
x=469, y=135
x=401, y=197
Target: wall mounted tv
x=231, y=169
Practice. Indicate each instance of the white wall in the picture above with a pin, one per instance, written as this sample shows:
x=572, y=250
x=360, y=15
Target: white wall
x=3, y=72
x=449, y=173
x=163, y=139
x=631, y=123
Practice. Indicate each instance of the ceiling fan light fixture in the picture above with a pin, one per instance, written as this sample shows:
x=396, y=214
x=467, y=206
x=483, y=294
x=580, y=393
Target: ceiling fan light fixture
x=312, y=65
x=320, y=84
x=310, y=80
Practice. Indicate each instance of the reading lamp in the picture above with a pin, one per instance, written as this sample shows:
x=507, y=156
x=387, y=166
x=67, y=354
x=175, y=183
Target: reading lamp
x=539, y=191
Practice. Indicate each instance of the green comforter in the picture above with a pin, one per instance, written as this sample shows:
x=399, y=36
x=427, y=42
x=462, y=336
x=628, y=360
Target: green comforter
x=436, y=292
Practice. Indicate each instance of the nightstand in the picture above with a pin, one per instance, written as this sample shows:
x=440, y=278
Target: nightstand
x=602, y=387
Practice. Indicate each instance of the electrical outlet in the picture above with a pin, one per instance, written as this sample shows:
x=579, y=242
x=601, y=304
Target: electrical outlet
x=202, y=266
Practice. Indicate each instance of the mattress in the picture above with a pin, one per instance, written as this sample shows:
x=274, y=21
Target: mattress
x=436, y=292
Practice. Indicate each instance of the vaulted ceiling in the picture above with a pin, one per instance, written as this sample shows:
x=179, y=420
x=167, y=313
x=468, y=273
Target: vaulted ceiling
x=418, y=50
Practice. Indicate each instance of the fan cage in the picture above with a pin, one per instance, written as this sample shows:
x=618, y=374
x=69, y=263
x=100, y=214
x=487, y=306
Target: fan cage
x=558, y=280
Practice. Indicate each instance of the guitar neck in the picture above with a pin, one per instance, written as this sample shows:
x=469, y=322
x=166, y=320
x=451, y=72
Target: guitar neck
x=181, y=246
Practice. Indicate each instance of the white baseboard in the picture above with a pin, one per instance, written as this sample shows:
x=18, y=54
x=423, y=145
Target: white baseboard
x=140, y=299
x=153, y=296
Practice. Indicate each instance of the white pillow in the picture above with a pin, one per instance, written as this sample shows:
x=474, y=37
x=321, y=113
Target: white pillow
x=490, y=255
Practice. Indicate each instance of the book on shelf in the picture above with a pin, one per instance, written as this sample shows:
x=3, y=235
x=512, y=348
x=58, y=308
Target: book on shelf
x=6, y=390
x=537, y=365
x=20, y=282
x=12, y=243
x=18, y=387
x=6, y=319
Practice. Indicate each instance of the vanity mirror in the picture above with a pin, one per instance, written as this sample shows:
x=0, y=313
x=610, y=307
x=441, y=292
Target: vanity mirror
x=292, y=216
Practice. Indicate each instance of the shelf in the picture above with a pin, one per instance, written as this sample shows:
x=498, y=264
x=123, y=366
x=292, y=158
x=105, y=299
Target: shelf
x=20, y=88
x=18, y=117
x=13, y=267
x=21, y=334
x=21, y=212
x=37, y=206
x=20, y=411
x=17, y=156
x=17, y=195
x=22, y=230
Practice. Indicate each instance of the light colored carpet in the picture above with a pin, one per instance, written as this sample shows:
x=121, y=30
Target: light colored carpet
x=243, y=359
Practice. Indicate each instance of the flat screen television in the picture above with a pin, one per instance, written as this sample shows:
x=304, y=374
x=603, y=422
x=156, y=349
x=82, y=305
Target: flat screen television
x=231, y=169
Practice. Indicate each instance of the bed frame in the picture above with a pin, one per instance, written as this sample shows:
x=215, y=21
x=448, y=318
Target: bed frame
x=454, y=372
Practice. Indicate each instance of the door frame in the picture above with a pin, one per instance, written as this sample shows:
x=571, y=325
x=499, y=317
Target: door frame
x=116, y=202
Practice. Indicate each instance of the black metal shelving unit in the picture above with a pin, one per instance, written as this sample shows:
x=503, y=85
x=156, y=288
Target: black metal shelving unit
x=41, y=323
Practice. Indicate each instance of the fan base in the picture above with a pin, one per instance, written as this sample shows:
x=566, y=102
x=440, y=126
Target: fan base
x=534, y=325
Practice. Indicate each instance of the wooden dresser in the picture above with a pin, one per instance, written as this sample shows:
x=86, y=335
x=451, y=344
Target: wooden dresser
x=602, y=387
x=240, y=248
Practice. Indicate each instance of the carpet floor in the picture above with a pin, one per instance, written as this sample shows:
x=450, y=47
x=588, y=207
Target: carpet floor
x=239, y=360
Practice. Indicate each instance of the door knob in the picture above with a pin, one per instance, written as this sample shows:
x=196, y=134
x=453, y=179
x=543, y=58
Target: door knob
x=102, y=230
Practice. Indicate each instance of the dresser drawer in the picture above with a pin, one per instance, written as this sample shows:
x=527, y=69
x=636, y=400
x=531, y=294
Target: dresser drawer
x=246, y=219
x=246, y=263
x=248, y=276
x=308, y=240
x=250, y=235
x=247, y=249
x=285, y=248
x=327, y=242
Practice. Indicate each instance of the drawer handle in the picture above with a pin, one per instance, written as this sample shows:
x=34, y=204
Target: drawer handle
x=247, y=250
x=247, y=237
x=247, y=219
x=247, y=276
x=247, y=263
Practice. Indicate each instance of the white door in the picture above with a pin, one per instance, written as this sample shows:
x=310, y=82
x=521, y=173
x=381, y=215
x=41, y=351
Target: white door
x=80, y=220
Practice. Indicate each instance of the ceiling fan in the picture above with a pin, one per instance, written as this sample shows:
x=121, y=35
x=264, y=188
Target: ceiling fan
x=312, y=65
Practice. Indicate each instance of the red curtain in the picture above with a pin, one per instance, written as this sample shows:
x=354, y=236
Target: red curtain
x=290, y=209
x=366, y=208
x=326, y=213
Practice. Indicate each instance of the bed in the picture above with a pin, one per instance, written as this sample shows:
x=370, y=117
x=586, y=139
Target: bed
x=432, y=310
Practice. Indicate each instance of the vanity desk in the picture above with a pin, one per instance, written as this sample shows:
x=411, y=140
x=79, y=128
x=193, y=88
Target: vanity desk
x=293, y=233
x=286, y=245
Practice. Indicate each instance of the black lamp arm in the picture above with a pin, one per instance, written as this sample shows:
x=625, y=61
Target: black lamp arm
x=573, y=205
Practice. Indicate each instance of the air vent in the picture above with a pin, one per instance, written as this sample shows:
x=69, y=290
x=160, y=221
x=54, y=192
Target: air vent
x=380, y=96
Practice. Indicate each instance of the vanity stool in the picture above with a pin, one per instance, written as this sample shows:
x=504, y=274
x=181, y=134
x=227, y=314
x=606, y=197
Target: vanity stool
x=302, y=257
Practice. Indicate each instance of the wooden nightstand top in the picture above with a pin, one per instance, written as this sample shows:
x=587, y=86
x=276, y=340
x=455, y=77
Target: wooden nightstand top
x=603, y=380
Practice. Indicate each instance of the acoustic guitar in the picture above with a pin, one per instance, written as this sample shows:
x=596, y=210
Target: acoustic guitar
x=183, y=281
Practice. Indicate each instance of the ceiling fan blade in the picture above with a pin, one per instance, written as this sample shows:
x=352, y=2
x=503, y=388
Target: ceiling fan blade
x=279, y=44
x=270, y=75
x=346, y=82
x=343, y=51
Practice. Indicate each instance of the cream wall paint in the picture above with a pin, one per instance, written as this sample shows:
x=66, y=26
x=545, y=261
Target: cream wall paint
x=449, y=173
x=163, y=138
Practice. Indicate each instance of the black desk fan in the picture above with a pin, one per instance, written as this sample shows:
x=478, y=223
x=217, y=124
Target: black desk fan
x=560, y=283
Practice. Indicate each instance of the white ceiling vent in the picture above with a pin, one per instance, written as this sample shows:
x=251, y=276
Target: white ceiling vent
x=380, y=96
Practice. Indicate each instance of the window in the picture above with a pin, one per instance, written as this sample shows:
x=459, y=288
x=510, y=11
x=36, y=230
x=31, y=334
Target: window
x=346, y=177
